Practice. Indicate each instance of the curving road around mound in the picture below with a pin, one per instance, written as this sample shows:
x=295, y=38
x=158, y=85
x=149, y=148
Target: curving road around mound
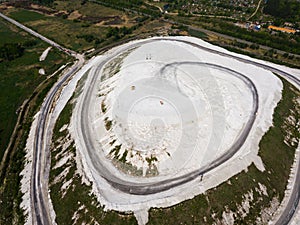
x=40, y=162
x=39, y=198
x=84, y=131
x=156, y=187
x=41, y=212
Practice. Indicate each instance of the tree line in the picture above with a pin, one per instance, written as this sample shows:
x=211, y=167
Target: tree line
x=285, y=9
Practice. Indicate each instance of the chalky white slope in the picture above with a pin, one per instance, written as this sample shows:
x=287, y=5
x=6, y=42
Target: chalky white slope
x=170, y=108
x=176, y=118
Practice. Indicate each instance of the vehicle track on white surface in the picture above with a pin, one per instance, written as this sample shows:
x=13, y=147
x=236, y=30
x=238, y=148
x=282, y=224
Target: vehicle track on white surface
x=156, y=187
x=39, y=180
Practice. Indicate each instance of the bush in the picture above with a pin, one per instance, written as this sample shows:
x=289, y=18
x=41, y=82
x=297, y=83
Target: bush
x=11, y=51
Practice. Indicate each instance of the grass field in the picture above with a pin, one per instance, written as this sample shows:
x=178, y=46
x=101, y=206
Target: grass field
x=26, y=16
x=10, y=34
x=20, y=77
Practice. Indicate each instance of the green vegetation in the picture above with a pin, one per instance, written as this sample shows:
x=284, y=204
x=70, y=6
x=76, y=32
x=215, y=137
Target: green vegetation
x=74, y=34
x=285, y=9
x=285, y=42
x=89, y=24
x=19, y=72
x=103, y=107
x=90, y=38
x=112, y=68
x=10, y=51
x=277, y=157
x=233, y=9
x=19, y=81
x=86, y=24
x=108, y=123
x=83, y=26
x=10, y=193
x=112, y=142
x=43, y=2
x=151, y=159
x=132, y=6
x=118, y=33
x=24, y=16
x=116, y=151
x=268, y=55
x=123, y=158
x=196, y=33
x=87, y=9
